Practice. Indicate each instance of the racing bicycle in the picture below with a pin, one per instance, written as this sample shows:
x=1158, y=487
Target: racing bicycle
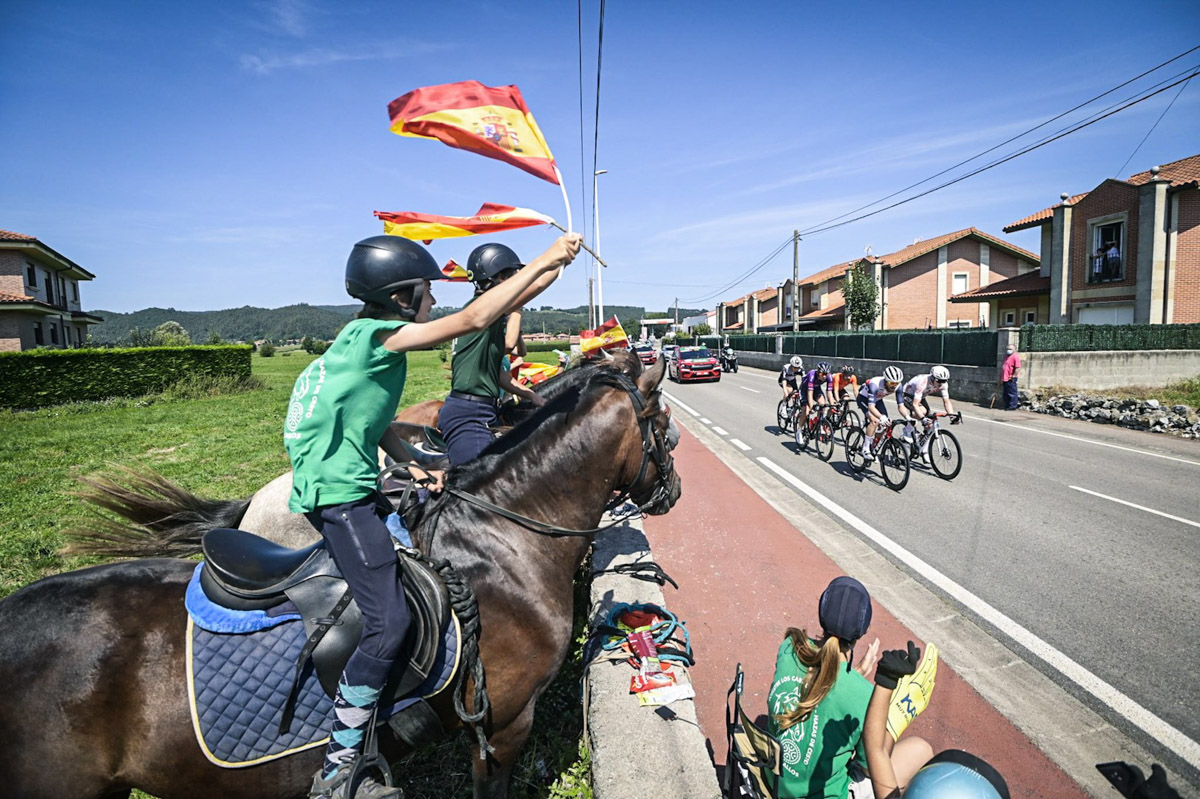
x=786, y=411
x=844, y=416
x=887, y=450
x=941, y=446
x=817, y=426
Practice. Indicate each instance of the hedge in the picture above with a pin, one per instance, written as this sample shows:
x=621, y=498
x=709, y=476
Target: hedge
x=1077, y=338
x=548, y=346
x=37, y=378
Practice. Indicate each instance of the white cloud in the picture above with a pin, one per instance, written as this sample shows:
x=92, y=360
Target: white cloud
x=290, y=16
x=265, y=64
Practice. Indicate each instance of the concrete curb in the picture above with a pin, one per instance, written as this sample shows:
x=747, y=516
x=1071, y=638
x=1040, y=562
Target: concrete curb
x=636, y=750
x=1062, y=726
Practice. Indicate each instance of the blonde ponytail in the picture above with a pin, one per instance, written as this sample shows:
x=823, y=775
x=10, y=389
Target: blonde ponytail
x=822, y=664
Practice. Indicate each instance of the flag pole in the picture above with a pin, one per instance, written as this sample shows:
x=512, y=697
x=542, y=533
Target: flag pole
x=581, y=244
x=566, y=200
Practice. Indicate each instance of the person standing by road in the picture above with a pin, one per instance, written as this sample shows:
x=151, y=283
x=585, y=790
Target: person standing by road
x=1008, y=376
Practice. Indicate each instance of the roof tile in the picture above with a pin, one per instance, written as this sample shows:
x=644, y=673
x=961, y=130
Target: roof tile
x=1028, y=283
x=7, y=296
x=8, y=235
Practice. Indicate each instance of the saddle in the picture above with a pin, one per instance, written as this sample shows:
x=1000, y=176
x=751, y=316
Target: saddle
x=246, y=572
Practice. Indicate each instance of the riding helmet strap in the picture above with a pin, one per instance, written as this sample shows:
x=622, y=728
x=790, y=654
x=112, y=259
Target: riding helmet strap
x=323, y=626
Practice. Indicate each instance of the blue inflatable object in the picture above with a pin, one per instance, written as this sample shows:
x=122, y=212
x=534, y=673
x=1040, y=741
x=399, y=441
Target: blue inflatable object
x=954, y=774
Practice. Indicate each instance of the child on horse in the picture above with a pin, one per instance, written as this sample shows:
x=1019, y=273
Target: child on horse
x=477, y=370
x=340, y=407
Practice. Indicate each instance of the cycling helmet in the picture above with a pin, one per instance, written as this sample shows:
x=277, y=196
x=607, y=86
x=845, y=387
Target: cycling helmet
x=823, y=367
x=487, y=261
x=845, y=609
x=955, y=774
x=382, y=265
x=848, y=370
x=796, y=362
x=940, y=373
x=892, y=374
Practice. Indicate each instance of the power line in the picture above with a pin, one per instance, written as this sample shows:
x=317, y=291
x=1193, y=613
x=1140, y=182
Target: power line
x=582, y=149
x=1152, y=127
x=742, y=277
x=596, y=131
x=998, y=162
x=1001, y=144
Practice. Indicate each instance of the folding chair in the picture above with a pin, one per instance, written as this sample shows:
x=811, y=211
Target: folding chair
x=752, y=765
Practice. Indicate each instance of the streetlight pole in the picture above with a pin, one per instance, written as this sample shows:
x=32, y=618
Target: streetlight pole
x=596, y=241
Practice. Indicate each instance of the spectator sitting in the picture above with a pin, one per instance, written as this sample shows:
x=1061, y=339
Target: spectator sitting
x=818, y=705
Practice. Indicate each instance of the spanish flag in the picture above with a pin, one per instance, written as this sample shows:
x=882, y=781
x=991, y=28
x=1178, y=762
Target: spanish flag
x=455, y=273
x=490, y=218
x=487, y=120
x=605, y=337
x=530, y=373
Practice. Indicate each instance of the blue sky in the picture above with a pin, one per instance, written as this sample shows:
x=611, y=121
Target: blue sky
x=205, y=156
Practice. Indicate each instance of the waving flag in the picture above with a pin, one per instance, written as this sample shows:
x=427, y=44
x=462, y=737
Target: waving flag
x=490, y=218
x=455, y=273
x=530, y=373
x=487, y=120
x=606, y=336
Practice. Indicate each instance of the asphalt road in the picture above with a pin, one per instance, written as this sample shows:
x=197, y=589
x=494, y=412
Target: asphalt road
x=1115, y=588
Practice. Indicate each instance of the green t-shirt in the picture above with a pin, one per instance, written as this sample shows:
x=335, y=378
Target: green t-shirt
x=817, y=750
x=478, y=359
x=340, y=407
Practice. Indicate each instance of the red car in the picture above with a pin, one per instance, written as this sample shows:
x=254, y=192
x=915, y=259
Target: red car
x=693, y=363
x=647, y=353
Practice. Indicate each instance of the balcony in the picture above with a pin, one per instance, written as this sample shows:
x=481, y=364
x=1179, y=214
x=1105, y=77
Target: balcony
x=1105, y=269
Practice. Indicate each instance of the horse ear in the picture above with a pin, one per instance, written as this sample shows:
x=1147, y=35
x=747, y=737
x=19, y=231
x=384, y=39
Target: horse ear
x=650, y=378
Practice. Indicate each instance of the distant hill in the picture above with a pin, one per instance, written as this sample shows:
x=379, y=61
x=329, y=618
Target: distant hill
x=323, y=321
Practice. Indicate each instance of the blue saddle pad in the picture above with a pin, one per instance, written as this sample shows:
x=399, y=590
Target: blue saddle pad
x=239, y=681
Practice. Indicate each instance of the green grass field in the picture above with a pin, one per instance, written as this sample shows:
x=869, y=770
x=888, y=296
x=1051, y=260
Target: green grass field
x=226, y=447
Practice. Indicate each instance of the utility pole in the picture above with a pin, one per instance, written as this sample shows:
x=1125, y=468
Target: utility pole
x=676, y=312
x=795, y=281
x=591, y=305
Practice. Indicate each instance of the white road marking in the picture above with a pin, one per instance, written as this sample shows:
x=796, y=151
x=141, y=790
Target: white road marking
x=721, y=431
x=737, y=442
x=751, y=390
x=706, y=421
x=1134, y=505
x=675, y=401
x=1084, y=440
x=756, y=374
x=1108, y=696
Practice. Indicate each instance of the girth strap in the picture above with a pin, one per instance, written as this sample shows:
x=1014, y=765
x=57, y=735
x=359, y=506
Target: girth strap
x=323, y=626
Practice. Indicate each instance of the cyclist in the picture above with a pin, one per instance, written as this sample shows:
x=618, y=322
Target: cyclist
x=790, y=374
x=870, y=402
x=845, y=383
x=816, y=387
x=912, y=398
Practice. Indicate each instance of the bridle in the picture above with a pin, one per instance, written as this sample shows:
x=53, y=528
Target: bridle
x=655, y=448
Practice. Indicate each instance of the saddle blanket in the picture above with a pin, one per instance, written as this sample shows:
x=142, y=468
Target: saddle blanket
x=240, y=666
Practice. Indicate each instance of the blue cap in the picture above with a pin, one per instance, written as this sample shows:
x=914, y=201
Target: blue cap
x=845, y=609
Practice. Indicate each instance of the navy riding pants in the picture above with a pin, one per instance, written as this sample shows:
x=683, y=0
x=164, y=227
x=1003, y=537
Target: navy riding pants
x=466, y=426
x=357, y=537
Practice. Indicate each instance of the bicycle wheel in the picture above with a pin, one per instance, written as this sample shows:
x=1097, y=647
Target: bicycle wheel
x=849, y=421
x=854, y=456
x=782, y=415
x=800, y=426
x=824, y=439
x=893, y=462
x=945, y=455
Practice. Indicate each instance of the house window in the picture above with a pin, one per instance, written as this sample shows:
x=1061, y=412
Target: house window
x=49, y=288
x=74, y=291
x=31, y=275
x=1010, y=318
x=961, y=282
x=958, y=323
x=1029, y=317
x=1107, y=260
x=38, y=338
x=53, y=333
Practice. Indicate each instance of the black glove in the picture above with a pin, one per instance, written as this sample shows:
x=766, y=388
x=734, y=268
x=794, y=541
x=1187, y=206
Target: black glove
x=896, y=663
x=957, y=419
x=1156, y=787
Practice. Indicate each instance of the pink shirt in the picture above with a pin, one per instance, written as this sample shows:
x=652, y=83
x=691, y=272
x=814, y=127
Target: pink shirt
x=1011, y=364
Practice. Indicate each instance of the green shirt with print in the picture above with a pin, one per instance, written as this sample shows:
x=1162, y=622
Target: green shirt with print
x=340, y=407
x=817, y=751
x=478, y=359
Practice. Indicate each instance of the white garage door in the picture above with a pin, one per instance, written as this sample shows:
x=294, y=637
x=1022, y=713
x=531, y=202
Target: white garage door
x=1106, y=315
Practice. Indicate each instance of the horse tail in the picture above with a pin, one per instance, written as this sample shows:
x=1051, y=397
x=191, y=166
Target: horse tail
x=157, y=517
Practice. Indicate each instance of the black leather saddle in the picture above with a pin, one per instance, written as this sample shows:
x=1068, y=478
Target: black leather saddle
x=245, y=572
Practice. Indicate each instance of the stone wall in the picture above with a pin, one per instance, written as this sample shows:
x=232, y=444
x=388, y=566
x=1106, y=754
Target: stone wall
x=1108, y=369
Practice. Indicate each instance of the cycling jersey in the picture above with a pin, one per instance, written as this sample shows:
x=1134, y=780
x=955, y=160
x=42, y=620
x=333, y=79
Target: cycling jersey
x=788, y=375
x=874, y=389
x=842, y=383
x=918, y=388
x=811, y=381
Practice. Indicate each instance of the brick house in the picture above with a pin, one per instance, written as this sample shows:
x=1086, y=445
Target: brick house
x=1128, y=251
x=750, y=313
x=39, y=296
x=916, y=283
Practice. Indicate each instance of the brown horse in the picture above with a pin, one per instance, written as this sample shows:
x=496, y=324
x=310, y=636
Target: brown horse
x=93, y=661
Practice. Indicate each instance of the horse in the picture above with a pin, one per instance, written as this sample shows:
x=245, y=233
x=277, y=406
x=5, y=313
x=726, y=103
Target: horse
x=93, y=660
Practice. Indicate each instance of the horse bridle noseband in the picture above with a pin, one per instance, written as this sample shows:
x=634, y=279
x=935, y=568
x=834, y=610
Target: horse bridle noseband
x=654, y=447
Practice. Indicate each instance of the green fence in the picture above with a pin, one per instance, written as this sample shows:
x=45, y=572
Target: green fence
x=956, y=347
x=753, y=342
x=1083, y=338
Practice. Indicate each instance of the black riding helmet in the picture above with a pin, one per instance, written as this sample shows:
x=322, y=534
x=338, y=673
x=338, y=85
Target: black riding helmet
x=382, y=265
x=487, y=261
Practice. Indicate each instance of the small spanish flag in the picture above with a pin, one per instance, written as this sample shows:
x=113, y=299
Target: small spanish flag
x=605, y=337
x=486, y=120
x=490, y=218
x=530, y=373
x=455, y=273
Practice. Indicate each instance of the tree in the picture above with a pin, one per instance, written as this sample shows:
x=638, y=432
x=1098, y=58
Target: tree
x=214, y=338
x=701, y=329
x=862, y=297
x=170, y=334
x=266, y=349
x=306, y=344
x=136, y=337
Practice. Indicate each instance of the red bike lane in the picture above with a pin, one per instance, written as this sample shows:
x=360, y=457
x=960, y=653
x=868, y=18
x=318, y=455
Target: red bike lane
x=746, y=574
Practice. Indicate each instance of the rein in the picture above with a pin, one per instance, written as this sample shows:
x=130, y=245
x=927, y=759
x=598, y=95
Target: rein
x=653, y=447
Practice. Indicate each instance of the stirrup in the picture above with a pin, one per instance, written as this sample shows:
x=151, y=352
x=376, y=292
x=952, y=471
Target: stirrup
x=368, y=759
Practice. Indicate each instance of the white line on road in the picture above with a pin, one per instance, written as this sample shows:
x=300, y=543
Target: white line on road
x=751, y=390
x=675, y=401
x=1133, y=505
x=1084, y=440
x=706, y=421
x=737, y=442
x=1110, y=697
x=721, y=431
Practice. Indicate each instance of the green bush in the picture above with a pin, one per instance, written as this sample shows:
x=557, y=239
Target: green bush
x=266, y=349
x=547, y=346
x=50, y=377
